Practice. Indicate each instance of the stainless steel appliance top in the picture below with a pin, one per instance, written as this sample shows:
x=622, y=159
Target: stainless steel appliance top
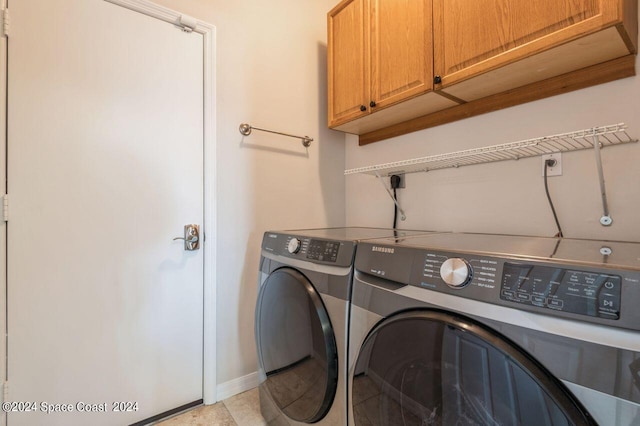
x=614, y=254
x=353, y=233
x=331, y=246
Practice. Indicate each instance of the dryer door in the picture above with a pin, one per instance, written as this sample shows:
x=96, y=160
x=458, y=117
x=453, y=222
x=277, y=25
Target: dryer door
x=296, y=346
x=435, y=368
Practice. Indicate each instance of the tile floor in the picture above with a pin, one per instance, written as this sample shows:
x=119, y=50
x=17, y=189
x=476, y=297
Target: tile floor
x=239, y=410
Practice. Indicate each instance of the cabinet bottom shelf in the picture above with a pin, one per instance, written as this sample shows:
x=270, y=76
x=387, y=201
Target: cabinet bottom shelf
x=596, y=74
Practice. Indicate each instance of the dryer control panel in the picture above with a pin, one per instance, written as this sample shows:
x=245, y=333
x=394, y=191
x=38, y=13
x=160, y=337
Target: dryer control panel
x=323, y=250
x=316, y=250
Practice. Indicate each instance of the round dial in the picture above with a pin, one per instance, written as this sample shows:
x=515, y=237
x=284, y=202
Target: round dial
x=456, y=272
x=294, y=245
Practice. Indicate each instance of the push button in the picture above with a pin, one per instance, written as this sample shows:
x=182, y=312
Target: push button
x=537, y=300
x=609, y=298
x=508, y=293
x=555, y=303
x=609, y=303
x=610, y=283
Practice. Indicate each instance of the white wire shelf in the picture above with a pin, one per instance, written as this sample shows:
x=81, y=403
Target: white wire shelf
x=573, y=141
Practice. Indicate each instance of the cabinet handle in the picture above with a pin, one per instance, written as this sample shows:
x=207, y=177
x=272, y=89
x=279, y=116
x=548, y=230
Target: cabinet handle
x=437, y=79
x=363, y=108
x=372, y=104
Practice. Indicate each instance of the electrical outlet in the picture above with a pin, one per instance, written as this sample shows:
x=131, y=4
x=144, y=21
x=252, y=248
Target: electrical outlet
x=402, y=181
x=555, y=170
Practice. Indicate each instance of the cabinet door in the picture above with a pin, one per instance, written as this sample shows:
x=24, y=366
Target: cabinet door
x=347, y=61
x=472, y=37
x=401, y=50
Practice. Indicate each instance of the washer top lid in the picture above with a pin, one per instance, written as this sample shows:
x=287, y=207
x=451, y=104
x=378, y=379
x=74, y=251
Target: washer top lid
x=618, y=254
x=352, y=233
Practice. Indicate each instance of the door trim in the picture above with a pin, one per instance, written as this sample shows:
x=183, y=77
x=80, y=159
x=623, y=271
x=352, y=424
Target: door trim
x=208, y=33
x=3, y=224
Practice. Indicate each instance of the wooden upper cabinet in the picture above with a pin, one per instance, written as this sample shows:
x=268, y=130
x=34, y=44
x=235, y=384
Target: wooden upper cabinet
x=397, y=66
x=347, y=61
x=401, y=48
x=553, y=37
x=379, y=54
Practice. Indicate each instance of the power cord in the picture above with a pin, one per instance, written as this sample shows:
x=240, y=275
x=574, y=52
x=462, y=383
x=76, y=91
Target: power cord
x=395, y=184
x=550, y=163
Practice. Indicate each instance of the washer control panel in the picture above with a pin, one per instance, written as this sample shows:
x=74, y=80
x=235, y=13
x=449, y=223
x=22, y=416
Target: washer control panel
x=592, y=293
x=562, y=289
x=456, y=272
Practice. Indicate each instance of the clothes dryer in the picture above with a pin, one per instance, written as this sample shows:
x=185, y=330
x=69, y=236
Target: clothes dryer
x=301, y=322
x=469, y=329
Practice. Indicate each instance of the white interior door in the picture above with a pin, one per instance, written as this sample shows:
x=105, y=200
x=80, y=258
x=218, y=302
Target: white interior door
x=105, y=167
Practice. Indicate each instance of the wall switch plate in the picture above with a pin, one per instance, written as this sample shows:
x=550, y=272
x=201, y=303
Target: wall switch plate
x=555, y=170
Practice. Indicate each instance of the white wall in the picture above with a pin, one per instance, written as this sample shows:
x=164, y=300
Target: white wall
x=509, y=197
x=271, y=73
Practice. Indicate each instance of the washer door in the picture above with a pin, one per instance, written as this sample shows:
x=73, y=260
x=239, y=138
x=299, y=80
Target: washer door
x=435, y=368
x=296, y=346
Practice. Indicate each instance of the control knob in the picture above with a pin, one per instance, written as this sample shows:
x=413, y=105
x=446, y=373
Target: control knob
x=456, y=272
x=294, y=246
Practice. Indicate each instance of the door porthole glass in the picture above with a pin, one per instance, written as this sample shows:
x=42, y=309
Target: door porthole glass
x=297, y=349
x=431, y=367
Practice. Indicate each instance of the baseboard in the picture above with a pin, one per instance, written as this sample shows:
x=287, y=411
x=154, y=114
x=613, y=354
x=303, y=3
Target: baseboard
x=236, y=386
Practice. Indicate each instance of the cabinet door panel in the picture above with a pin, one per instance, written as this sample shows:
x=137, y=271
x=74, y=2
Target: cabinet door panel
x=401, y=49
x=473, y=37
x=347, y=59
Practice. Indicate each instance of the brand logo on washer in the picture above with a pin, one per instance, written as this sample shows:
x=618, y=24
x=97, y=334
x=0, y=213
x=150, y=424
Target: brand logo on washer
x=383, y=249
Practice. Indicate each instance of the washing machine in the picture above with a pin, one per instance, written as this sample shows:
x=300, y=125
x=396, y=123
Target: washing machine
x=471, y=329
x=301, y=322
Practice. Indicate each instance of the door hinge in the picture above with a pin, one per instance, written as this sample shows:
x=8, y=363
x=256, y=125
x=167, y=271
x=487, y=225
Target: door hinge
x=5, y=207
x=5, y=22
x=187, y=23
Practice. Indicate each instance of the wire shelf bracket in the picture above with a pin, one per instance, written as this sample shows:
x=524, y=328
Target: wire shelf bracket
x=606, y=219
x=245, y=129
x=596, y=138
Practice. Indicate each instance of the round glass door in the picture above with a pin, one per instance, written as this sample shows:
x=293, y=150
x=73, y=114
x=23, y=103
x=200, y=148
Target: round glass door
x=435, y=368
x=296, y=346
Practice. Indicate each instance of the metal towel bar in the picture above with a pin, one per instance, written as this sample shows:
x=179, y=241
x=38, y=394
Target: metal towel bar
x=246, y=129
